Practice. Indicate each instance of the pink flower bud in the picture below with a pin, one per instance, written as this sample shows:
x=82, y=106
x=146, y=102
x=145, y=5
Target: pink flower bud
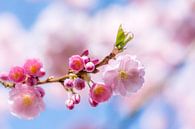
x=86, y=59
x=76, y=98
x=16, y=74
x=92, y=102
x=95, y=61
x=4, y=76
x=41, y=73
x=100, y=93
x=85, y=53
x=40, y=91
x=90, y=67
x=32, y=67
x=31, y=81
x=79, y=83
x=68, y=83
x=76, y=63
x=70, y=104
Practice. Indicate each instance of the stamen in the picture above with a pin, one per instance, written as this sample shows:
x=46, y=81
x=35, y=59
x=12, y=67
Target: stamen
x=123, y=75
x=27, y=100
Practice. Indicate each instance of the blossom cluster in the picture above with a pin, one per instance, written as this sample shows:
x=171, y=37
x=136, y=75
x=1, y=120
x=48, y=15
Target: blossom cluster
x=26, y=98
x=122, y=75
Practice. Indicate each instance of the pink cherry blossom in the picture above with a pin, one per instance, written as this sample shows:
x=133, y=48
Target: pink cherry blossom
x=76, y=63
x=25, y=101
x=32, y=67
x=100, y=92
x=17, y=74
x=124, y=75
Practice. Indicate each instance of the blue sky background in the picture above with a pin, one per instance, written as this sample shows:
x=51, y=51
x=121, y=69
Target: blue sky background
x=27, y=11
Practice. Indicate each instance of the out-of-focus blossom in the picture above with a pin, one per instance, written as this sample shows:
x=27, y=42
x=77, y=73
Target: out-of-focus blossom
x=25, y=101
x=55, y=25
x=125, y=75
x=185, y=30
x=81, y=4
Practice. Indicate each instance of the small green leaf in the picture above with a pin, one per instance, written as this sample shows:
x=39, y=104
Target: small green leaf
x=122, y=38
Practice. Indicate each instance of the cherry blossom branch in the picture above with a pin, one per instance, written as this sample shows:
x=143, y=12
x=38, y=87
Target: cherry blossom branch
x=27, y=95
x=61, y=79
x=121, y=41
x=104, y=61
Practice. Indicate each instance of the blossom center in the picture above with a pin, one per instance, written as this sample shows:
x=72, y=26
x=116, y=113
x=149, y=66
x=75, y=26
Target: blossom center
x=33, y=69
x=123, y=75
x=16, y=75
x=99, y=90
x=27, y=100
x=77, y=64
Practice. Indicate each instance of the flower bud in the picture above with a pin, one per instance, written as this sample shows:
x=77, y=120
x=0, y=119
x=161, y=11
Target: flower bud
x=41, y=73
x=90, y=67
x=70, y=104
x=68, y=83
x=41, y=91
x=92, y=102
x=79, y=83
x=76, y=98
x=85, y=53
x=86, y=59
x=95, y=61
